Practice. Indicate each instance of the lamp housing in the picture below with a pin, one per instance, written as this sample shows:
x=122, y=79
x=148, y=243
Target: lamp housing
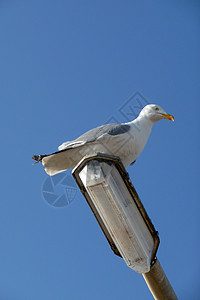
x=115, y=203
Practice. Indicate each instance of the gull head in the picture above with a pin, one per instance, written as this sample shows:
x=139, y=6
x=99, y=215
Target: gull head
x=155, y=113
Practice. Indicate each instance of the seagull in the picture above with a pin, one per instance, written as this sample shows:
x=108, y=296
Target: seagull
x=125, y=140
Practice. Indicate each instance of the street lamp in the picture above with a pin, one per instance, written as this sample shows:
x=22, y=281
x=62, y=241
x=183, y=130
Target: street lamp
x=114, y=202
x=109, y=192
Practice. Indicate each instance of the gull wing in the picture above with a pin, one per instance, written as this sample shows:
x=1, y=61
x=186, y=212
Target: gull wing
x=96, y=134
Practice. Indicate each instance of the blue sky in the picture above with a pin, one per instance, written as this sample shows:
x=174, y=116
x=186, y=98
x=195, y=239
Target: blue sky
x=67, y=67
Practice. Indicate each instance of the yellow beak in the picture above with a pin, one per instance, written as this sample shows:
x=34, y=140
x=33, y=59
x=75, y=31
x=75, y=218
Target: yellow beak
x=168, y=116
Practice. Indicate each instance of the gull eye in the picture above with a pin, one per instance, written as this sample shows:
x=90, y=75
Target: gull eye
x=156, y=108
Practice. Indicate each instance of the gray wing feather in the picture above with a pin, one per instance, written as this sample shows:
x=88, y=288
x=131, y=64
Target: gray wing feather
x=120, y=129
x=95, y=134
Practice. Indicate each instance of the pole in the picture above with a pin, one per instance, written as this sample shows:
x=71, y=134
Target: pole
x=158, y=283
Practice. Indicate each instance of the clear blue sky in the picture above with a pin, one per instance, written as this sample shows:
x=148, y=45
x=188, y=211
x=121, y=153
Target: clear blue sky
x=67, y=67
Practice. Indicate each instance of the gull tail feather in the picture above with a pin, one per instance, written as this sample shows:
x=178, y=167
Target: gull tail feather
x=62, y=160
x=38, y=158
x=57, y=162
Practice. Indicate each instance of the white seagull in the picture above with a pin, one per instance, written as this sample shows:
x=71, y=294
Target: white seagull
x=126, y=140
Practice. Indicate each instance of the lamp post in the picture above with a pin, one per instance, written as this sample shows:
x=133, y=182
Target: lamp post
x=114, y=202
